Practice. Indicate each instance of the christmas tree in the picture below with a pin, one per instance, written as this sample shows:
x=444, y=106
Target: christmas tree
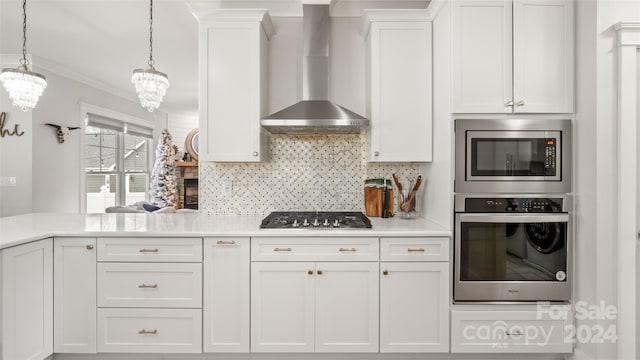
x=163, y=188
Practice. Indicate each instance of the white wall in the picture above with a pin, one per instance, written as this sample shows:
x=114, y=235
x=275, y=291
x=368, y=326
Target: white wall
x=15, y=152
x=596, y=157
x=58, y=168
x=179, y=126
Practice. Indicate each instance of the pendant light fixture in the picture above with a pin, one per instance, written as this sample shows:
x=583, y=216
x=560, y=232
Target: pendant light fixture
x=24, y=86
x=151, y=85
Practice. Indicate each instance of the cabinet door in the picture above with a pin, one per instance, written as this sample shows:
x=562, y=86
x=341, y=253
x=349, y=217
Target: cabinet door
x=414, y=307
x=543, y=56
x=27, y=301
x=74, y=263
x=482, y=51
x=235, y=83
x=226, y=294
x=400, y=104
x=347, y=307
x=282, y=307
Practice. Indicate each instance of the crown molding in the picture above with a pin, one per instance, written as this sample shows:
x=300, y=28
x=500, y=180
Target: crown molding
x=628, y=33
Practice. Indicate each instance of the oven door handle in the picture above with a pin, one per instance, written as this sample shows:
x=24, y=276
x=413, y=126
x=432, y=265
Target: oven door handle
x=513, y=218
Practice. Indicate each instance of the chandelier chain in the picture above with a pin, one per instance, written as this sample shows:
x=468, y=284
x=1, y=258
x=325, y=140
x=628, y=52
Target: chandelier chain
x=150, y=33
x=24, y=62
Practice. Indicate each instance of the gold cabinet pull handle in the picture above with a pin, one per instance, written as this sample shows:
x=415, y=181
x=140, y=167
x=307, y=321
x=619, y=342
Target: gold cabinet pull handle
x=90, y=247
x=145, y=286
x=349, y=249
x=226, y=242
x=415, y=250
x=147, y=332
x=513, y=333
x=282, y=249
x=319, y=272
x=310, y=272
x=148, y=250
x=385, y=272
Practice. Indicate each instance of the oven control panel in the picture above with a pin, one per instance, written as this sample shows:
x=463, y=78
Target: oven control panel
x=513, y=205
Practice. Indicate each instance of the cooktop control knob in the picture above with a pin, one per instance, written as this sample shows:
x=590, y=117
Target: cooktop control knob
x=336, y=223
x=305, y=223
x=295, y=223
x=326, y=223
x=316, y=223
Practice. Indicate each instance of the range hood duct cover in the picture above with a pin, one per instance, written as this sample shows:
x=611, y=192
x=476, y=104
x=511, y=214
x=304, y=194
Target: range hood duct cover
x=315, y=114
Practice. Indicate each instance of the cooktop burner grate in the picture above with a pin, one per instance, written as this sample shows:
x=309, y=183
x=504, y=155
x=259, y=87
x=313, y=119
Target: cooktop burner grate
x=316, y=220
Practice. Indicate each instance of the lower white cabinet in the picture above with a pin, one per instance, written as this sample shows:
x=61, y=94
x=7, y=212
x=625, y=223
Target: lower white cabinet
x=226, y=294
x=321, y=307
x=74, y=315
x=511, y=331
x=150, y=330
x=414, y=307
x=27, y=301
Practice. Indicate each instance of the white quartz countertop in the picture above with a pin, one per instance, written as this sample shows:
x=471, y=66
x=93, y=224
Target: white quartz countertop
x=16, y=230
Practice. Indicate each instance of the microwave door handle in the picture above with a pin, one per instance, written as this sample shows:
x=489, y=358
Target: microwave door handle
x=513, y=218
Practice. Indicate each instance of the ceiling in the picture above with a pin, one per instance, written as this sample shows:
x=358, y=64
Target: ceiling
x=102, y=41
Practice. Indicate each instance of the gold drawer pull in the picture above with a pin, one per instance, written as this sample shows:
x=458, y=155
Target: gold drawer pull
x=319, y=272
x=147, y=332
x=282, y=249
x=348, y=249
x=514, y=333
x=90, y=247
x=415, y=250
x=145, y=286
x=148, y=250
x=385, y=272
x=310, y=272
x=226, y=242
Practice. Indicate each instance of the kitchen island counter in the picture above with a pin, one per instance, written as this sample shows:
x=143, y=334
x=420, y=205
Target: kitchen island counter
x=16, y=230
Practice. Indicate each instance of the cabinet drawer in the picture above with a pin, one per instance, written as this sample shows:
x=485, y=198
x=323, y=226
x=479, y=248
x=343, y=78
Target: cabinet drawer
x=510, y=332
x=315, y=249
x=414, y=249
x=150, y=330
x=149, y=285
x=150, y=249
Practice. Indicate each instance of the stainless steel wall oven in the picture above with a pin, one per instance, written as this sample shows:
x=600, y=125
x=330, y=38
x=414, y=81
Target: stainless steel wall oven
x=513, y=156
x=512, y=248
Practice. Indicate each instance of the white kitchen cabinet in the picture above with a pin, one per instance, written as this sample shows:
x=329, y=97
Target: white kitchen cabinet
x=234, y=85
x=307, y=307
x=27, y=301
x=414, y=307
x=512, y=56
x=226, y=294
x=74, y=270
x=512, y=329
x=399, y=85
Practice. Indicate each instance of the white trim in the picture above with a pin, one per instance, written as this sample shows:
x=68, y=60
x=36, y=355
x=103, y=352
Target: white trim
x=394, y=15
x=628, y=87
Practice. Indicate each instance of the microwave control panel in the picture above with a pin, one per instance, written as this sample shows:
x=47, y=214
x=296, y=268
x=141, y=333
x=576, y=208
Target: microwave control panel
x=513, y=205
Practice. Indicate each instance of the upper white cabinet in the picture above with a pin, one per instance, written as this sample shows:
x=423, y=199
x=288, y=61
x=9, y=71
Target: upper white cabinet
x=512, y=56
x=74, y=270
x=27, y=301
x=399, y=85
x=234, y=85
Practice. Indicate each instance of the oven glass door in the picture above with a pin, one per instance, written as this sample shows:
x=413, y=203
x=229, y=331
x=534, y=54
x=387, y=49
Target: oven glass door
x=514, y=247
x=513, y=155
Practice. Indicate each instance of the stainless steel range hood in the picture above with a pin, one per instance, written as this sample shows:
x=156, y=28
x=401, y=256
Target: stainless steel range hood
x=315, y=114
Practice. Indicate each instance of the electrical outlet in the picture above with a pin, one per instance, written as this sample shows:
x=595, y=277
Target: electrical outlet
x=227, y=188
x=8, y=181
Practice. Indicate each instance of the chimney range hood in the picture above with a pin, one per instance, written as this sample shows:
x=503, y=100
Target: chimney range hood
x=315, y=114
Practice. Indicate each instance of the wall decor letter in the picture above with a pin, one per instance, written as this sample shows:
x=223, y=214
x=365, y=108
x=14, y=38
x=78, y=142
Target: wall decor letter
x=6, y=132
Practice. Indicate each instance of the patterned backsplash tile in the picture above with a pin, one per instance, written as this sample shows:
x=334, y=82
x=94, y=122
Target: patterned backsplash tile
x=306, y=173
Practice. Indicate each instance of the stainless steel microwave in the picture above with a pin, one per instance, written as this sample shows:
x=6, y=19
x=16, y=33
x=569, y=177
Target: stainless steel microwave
x=513, y=156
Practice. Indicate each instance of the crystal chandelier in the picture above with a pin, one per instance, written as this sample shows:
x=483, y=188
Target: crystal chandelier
x=24, y=86
x=151, y=85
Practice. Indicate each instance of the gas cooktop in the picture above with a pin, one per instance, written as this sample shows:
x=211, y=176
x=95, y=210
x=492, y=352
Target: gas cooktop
x=315, y=220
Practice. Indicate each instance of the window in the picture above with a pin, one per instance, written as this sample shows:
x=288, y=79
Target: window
x=116, y=162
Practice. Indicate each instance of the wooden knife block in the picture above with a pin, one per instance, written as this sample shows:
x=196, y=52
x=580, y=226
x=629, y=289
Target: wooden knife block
x=373, y=201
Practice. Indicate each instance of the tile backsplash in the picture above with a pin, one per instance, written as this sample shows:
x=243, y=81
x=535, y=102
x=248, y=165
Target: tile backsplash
x=319, y=172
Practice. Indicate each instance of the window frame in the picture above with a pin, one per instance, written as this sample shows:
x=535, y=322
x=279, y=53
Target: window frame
x=121, y=173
